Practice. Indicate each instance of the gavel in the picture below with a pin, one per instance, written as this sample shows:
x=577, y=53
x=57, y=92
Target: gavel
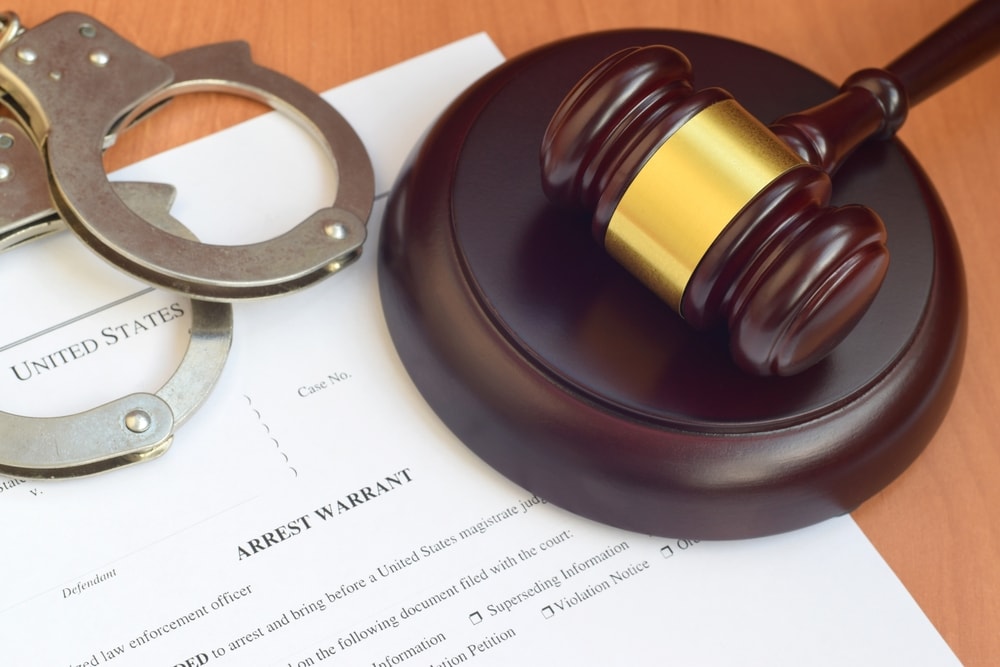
x=729, y=220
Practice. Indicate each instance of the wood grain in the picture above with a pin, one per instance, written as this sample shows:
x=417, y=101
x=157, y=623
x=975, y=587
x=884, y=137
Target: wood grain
x=938, y=525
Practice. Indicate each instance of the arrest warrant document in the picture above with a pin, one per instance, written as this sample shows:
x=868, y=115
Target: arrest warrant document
x=316, y=512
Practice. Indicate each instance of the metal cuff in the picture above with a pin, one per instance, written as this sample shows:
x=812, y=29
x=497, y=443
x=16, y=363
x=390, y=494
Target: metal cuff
x=138, y=427
x=52, y=75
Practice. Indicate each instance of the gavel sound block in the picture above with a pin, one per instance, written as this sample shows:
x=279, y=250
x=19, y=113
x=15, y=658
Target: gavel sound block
x=558, y=368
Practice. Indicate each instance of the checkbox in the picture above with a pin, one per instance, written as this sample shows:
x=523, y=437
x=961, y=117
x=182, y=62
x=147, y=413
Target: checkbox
x=548, y=612
x=666, y=551
x=476, y=618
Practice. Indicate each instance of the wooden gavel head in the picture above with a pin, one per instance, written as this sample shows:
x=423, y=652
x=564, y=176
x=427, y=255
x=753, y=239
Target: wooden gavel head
x=726, y=219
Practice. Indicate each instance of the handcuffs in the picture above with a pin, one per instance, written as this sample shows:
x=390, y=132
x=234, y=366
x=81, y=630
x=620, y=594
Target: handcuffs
x=52, y=177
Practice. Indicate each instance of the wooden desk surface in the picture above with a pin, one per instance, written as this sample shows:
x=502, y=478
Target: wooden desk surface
x=938, y=526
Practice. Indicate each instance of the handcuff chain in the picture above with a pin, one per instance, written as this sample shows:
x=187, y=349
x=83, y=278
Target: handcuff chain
x=10, y=28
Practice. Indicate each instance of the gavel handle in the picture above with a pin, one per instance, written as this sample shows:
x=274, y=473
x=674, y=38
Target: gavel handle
x=956, y=48
x=875, y=102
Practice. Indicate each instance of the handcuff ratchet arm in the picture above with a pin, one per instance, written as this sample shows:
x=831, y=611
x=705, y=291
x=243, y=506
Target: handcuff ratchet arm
x=137, y=427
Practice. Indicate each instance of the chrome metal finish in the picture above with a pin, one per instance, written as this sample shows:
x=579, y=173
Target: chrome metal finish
x=26, y=211
x=133, y=428
x=74, y=56
x=71, y=85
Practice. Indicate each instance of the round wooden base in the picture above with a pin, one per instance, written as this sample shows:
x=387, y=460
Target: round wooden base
x=564, y=373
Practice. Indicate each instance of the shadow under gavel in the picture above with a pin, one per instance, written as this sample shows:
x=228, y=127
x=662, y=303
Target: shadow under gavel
x=729, y=220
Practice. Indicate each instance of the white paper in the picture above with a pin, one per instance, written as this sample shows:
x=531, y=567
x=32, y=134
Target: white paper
x=316, y=511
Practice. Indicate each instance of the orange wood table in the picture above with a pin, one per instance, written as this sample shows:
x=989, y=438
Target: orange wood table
x=938, y=526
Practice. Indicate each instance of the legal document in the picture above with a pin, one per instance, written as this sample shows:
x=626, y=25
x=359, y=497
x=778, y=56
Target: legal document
x=315, y=511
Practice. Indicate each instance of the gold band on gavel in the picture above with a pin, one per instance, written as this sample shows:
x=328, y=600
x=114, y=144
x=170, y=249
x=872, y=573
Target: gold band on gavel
x=688, y=191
